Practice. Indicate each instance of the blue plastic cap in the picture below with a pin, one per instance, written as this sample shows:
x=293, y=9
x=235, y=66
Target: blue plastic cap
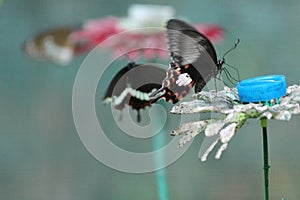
x=262, y=88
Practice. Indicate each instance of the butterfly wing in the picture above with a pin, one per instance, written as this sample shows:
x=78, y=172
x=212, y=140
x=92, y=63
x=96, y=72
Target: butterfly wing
x=192, y=51
x=133, y=84
x=175, y=86
x=186, y=43
x=119, y=81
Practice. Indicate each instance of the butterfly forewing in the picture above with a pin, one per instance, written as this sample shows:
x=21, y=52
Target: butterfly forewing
x=186, y=44
x=194, y=57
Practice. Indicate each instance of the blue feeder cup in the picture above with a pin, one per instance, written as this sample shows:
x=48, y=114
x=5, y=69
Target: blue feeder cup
x=262, y=88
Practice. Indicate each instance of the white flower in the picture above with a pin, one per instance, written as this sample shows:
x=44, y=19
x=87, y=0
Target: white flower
x=232, y=116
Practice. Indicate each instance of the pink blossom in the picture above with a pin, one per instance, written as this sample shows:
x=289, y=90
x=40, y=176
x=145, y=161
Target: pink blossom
x=213, y=32
x=96, y=31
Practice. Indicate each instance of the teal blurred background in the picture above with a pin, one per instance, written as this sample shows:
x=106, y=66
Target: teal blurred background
x=42, y=157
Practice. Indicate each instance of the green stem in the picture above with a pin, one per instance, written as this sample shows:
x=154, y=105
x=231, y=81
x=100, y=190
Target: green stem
x=161, y=178
x=158, y=142
x=266, y=157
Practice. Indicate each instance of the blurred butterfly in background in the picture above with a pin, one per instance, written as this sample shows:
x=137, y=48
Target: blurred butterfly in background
x=194, y=62
x=55, y=45
x=132, y=86
x=60, y=45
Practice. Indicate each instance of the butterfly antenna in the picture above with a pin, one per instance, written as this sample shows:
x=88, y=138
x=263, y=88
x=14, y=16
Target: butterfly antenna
x=232, y=48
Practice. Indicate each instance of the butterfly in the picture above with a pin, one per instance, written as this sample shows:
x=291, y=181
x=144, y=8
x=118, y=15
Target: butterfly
x=194, y=62
x=132, y=86
x=55, y=45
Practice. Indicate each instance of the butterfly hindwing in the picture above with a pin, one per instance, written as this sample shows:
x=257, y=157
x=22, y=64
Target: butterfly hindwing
x=176, y=84
x=132, y=86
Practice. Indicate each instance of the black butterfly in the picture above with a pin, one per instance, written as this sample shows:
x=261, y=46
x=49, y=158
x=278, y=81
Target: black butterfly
x=194, y=62
x=132, y=86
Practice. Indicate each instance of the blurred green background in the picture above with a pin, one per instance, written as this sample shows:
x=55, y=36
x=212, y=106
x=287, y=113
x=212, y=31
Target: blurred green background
x=42, y=157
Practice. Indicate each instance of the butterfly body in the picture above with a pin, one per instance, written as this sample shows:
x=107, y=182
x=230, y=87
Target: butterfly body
x=194, y=62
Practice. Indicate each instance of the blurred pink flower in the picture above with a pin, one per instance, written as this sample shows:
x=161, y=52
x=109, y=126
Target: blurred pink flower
x=212, y=31
x=96, y=31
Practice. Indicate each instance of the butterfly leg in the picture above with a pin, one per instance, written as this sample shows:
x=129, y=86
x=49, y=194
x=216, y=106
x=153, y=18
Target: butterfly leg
x=215, y=81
